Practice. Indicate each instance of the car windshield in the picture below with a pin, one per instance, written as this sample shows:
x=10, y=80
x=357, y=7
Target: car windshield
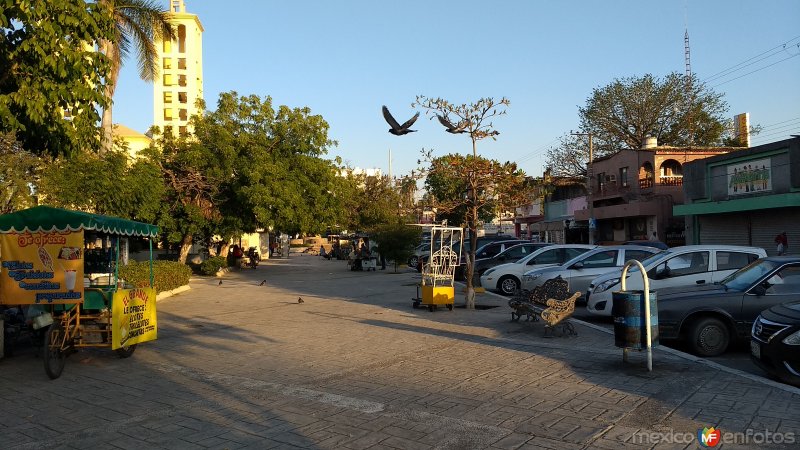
x=652, y=259
x=532, y=255
x=747, y=275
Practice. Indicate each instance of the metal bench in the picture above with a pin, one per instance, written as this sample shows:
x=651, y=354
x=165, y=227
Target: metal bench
x=551, y=302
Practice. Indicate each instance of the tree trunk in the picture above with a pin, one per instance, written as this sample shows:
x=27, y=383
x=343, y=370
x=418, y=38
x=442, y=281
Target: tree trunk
x=186, y=245
x=107, y=124
x=469, y=300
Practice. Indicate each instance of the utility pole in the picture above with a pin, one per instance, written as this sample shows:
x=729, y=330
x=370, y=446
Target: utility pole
x=589, y=187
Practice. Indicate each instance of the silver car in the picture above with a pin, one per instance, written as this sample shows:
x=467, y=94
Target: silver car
x=581, y=270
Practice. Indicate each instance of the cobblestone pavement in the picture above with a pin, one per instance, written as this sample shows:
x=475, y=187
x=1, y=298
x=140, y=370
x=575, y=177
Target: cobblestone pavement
x=353, y=366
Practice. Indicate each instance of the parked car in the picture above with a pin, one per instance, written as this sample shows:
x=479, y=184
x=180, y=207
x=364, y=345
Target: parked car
x=482, y=240
x=489, y=250
x=710, y=317
x=688, y=265
x=775, y=342
x=581, y=270
x=656, y=244
x=509, y=255
x=507, y=278
x=421, y=249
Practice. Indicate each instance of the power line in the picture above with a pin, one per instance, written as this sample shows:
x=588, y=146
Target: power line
x=757, y=70
x=744, y=63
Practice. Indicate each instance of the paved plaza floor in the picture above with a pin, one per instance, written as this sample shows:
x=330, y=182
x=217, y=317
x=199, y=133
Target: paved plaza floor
x=353, y=366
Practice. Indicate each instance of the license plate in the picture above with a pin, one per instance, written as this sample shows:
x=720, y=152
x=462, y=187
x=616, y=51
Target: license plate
x=755, y=349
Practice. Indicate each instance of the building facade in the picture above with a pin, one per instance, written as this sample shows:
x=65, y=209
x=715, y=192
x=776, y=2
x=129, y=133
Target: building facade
x=745, y=197
x=180, y=81
x=633, y=193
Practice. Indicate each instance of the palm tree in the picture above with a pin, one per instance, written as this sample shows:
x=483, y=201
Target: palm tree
x=139, y=24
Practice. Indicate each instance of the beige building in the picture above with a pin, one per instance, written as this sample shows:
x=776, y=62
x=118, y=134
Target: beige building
x=136, y=141
x=180, y=81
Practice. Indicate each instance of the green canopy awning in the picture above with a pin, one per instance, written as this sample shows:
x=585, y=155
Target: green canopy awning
x=47, y=218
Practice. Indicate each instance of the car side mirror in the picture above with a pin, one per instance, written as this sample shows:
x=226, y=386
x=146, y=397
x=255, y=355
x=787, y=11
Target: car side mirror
x=577, y=265
x=759, y=289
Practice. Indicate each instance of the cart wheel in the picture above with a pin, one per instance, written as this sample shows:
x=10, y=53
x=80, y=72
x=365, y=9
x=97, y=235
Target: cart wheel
x=431, y=308
x=54, y=357
x=126, y=352
x=415, y=305
x=450, y=307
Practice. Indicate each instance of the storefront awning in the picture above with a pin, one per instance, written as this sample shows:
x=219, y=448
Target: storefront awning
x=47, y=218
x=787, y=200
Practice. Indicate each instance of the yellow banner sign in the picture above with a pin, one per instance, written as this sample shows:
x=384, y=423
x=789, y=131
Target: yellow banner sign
x=41, y=267
x=133, y=317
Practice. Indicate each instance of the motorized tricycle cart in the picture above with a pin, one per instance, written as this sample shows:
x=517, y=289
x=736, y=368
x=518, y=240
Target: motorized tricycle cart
x=62, y=268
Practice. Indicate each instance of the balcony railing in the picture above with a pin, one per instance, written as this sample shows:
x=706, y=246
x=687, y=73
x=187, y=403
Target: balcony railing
x=645, y=183
x=671, y=180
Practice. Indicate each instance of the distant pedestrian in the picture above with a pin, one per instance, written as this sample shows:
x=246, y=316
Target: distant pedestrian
x=783, y=243
x=654, y=236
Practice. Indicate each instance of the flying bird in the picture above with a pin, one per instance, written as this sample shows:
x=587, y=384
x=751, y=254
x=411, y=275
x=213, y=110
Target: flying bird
x=455, y=129
x=300, y=300
x=397, y=129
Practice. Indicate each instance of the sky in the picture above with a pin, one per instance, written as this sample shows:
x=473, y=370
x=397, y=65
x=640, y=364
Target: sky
x=345, y=59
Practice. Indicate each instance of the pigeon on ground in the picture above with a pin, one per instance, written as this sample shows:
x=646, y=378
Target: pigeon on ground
x=300, y=300
x=263, y=282
x=397, y=129
x=455, y=129
x=220, y=283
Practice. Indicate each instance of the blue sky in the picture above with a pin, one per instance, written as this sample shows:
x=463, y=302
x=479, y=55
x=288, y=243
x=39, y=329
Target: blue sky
x=344, y=59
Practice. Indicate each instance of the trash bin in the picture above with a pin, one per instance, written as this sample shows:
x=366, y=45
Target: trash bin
x=629, y=324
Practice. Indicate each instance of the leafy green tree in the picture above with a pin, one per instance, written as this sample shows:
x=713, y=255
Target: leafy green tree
x=48, y=68
x=19, y=173
x=279, y=177
x=108, y=184
x=623, y=113
x=138, y=25
x=396, y=241
x=371, y=202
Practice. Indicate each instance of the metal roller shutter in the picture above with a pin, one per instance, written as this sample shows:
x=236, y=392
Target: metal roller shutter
x=730, y=229
x=767, y=223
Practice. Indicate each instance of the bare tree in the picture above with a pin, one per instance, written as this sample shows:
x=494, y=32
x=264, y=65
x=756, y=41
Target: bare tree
x=503, y=185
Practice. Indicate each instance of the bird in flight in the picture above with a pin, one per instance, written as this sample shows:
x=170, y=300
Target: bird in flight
x=455, y=129
x=397, y=129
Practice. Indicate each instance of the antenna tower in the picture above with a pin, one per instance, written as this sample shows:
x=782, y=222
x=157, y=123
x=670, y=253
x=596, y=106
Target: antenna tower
x=688, y=92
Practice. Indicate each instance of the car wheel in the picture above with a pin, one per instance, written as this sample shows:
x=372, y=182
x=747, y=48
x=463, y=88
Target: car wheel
x=412, y=262
x=508, y=285
x=709, y=337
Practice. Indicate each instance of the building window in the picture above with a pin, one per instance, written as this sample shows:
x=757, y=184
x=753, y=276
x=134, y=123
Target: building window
x=623, y=176
x=167, y=97
x=183, y=115
x=183, y=97
x=182, y=63
x=182, y=80
x=167, y=113
x=168, y=79
x=181, y=38
x=183, y=130
x=167, y=46
x=167, y=63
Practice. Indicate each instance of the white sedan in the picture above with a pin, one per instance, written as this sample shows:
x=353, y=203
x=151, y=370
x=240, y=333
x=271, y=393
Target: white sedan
x=506, y=278
x=581, y=270
x=689, y=265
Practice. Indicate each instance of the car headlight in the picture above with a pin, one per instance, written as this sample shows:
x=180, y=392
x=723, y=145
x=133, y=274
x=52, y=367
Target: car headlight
x=488, y=272
x=531, y=276
x=792, y=339
x=606, y=285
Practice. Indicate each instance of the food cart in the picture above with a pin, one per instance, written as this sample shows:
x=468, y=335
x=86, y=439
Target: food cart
x=62, y=268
